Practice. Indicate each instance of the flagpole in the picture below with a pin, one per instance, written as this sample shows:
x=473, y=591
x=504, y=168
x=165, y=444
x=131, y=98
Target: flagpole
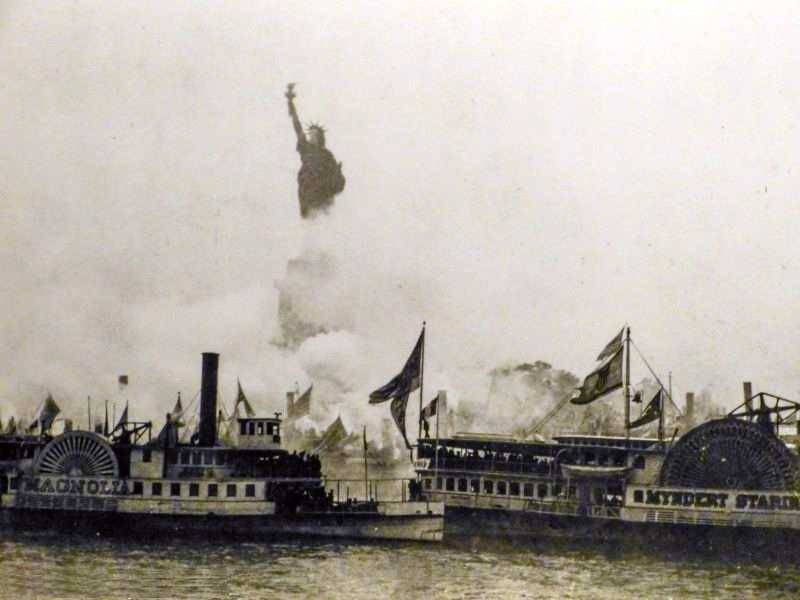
x=661, y=415
x=436, y=454
x=628, y=384
x=366, y=478
x=421, y=382
x=89, y=406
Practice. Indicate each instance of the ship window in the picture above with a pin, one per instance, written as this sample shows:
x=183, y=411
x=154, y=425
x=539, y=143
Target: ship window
x=242, y=428
x=462, y=485
x=208, y=457
x=185, y=457
x=513, y=488
x=138, y=488
x=250, y=490
x=501, y=488
x=147, y=455
x=557, y=489
x=212, y=490
x=450, y=484
x=260, y=428
x=14, y=483
x=638, y=496
x=174, y=489
x=231, y=490
x=541, y=490
x=219, y=458
x=428, y=483
x=475, y=485
x=269, y=428
x=438, y=483
x=155, y=489
x=194, y=489
x=527, y=490
x=488, y=486
x=638, y=462
x=251, y=428
x=197, y=458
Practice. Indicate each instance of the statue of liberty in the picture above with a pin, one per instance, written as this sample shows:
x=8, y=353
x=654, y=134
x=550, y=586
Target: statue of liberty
x=320, y=177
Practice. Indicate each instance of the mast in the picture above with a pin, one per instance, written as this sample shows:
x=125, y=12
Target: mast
x=628, y=383
x=89, y=407
x=366, y=478
x=421, y=383
x=436, y=451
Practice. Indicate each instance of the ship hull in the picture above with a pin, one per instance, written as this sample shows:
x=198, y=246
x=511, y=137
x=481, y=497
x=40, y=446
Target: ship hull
x=356, y=525
x=463, y=522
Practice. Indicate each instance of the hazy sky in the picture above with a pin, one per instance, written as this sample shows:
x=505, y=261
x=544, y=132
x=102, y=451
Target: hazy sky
x=525, y=176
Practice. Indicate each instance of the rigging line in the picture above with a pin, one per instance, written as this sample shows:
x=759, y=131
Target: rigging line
x=653, y=373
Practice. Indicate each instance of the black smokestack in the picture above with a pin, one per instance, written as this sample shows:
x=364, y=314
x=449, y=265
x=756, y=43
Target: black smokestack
x=208, y=400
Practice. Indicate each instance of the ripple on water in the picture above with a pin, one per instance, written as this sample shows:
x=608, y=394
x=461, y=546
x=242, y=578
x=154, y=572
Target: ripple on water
x=46, y=566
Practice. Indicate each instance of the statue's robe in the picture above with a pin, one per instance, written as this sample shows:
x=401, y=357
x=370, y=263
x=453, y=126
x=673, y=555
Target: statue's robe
x=319, y=179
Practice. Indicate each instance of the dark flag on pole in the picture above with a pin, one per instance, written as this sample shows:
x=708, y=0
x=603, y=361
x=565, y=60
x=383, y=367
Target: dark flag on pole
x=404, y=382
x=613, y=346
x=606, y=378
x=637, y=397
x=430, y=410
x=398, y=410
x=651, y=412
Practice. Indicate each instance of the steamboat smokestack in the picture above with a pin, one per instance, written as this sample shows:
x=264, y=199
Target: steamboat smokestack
x=208, y=400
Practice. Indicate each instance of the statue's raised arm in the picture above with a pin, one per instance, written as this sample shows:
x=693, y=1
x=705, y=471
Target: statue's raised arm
x=298, y=128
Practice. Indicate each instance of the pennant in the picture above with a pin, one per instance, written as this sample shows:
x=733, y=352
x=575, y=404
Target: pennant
x=398, y=410
x=404, y=382
x=11, y=427
x=242, y=399
x=606, y=378
x=333, y=436
x=613, y=346
x=430, y=410
x=33, y=426
x=177, y=413
x=302, y=406
x=651, y=412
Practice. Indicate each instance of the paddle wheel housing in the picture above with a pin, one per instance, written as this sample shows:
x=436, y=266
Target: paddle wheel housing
x=78, y=454
x=730, y=453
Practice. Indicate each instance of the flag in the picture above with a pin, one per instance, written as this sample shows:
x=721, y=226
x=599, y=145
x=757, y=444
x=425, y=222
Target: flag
x=177, y=413
x=33, y=426
x=651, y=412
x=241, y=398
x=430, y=410
x=398, y=410
x=613, y=346
x=123, y=418
x=332, y=436
x=606, y=378
x=122, y=380
x=404, y=382
x=302, y=406
x=11, y=427
x=637, y=397
x=49, y=412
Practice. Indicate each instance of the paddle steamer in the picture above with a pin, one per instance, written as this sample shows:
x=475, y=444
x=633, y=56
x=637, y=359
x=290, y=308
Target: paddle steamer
x=733, y=477
x=129, y=481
